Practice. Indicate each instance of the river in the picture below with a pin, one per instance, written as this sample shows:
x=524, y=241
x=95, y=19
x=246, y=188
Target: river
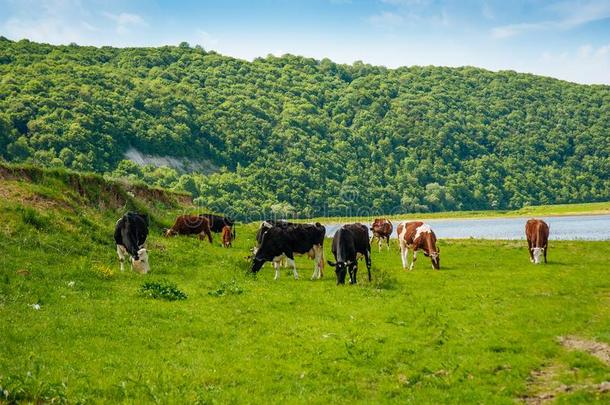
x=577, y=227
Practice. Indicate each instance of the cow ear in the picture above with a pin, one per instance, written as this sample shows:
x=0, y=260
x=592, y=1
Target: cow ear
x=331, y=263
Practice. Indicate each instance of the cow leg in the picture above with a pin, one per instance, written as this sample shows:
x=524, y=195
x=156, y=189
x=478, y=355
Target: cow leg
x=545, y=249
x=291, y=262
x=209, y=235
x=367, y=259
x=529, y=249
x=122, y=253
x=413, y=260
x=353, y=270
x=317, y=258
x=388, y=240
x=403, y=255
x=379, y=243
x=276, y=266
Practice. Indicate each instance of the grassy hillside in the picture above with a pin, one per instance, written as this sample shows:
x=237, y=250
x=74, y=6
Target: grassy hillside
x=307, y=136
x=483, y=330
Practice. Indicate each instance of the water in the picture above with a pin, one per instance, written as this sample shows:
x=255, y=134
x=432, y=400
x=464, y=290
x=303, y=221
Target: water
x=581, y=227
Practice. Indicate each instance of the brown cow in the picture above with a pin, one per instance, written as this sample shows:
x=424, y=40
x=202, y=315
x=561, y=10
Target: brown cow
x=189, y=225
x=537, y=234
x=417, y=235
x=227, y=236
x=382, y=229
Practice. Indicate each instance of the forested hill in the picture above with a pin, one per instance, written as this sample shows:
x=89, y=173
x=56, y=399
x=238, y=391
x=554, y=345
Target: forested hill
x=320, y=137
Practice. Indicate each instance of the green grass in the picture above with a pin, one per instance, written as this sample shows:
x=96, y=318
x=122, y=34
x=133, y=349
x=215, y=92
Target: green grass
x=470, y=333
x=539, y=210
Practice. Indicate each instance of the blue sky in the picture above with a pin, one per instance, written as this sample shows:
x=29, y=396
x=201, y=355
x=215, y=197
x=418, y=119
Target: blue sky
x=567, y=39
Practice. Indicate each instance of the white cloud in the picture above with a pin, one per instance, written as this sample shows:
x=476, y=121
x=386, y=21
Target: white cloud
x=406, y=2
x=487, y=11
x=603, y=51
x=574, y=14
x=585, y=64
x=125, y=21
x=585, y=50
x=385, y=19
x=206, y=40
x=49, y=30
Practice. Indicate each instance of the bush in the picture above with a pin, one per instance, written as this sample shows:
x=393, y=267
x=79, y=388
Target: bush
x=164, y=289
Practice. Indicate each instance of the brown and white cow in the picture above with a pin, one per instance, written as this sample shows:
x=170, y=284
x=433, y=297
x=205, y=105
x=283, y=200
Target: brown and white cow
x=537, y=234
x=414, y=236
x=382, y=229
x=191, y=225
x=227, y=236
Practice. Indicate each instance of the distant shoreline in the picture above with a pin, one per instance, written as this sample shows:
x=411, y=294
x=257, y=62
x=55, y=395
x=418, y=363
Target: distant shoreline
x=561, y=210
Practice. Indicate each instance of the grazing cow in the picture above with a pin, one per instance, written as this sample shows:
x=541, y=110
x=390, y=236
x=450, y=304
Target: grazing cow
x=189, y=225
x=130, y=234
x=218, y=222
x=279, y=261
x=414, y=236
x=265, y=226
x=382, y=229
x=537, y=234
x=350, y=241
x=291, y=239
x=227, y=236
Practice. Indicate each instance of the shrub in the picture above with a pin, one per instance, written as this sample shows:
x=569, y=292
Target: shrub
x=383, y=280
x=164, y=289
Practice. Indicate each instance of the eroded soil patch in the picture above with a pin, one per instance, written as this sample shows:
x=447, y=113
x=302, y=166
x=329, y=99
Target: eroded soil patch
x=544, y=385
x=595, y=349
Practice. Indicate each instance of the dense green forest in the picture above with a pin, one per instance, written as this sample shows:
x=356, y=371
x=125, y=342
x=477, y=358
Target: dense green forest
x=306, y=136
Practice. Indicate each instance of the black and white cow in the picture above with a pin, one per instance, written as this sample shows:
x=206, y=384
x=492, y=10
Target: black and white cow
x=130, y=234
x=279, y=261
x=290, y=239
x=350, y=241
x=265, y=226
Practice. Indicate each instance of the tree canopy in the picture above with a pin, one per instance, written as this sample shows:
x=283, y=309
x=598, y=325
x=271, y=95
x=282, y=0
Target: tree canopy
x=312, y=136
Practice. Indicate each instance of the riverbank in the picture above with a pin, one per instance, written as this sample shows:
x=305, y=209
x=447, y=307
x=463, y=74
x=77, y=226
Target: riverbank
x=597, y=208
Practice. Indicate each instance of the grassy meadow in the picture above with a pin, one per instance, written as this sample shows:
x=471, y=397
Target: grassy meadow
x=484, y=329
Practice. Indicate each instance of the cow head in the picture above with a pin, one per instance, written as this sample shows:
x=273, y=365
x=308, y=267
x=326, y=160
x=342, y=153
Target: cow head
x=256, y=264
x=170, y=232
x=341, y=270
x=537, y=252
x=140, y=264
x=435, y=257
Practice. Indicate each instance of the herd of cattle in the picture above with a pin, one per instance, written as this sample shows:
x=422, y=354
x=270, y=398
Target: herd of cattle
x=279, y=241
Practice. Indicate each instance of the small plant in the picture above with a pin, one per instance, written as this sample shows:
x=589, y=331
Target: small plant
x=384, y=280
x=103, y=272
x=163, y=289
x=226, y=288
